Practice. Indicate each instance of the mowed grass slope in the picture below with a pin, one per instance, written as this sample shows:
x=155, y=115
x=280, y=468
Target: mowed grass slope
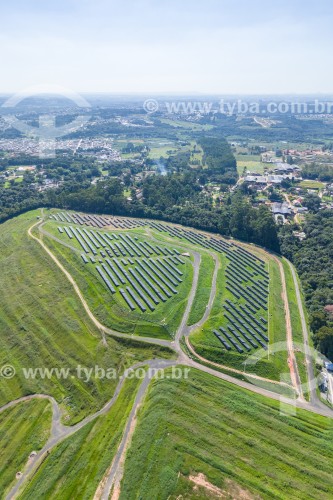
x=76, y=466
x=202, y=295
x=24, y=428
x=237, y=439
x=44, y=325
x=296, y=323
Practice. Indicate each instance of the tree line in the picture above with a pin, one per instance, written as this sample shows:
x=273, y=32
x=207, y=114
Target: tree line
x=313, y=258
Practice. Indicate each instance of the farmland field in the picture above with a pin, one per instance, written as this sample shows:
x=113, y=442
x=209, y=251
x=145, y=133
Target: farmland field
x=251, y=165
x=309, y=184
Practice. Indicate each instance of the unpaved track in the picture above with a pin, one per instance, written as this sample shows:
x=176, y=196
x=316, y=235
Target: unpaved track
x=232, y=370
x=191, y=297
x=59, y=431
x=191, y=328
x=115, y=473
x=294, y=373
x=292, y=362
x=309, y=358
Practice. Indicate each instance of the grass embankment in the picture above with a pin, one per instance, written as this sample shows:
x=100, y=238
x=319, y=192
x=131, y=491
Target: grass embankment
x=76, y=466
x=24, y=428
x=240, y=441
x=277, y=323
x=296, y=323
x=206, y=344
x=203, y=290
x=44, y=325
x=110, y=309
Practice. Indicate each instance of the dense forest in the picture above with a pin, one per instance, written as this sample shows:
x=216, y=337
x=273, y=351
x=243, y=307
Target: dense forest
x=318, y=171
x=220, y=161
x=313, y=259
x=176, y=198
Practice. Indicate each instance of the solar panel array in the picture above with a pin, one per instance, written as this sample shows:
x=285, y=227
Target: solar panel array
x=145, y=274
x=155, y=278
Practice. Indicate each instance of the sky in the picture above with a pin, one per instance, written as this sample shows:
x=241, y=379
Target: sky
x=168, y=46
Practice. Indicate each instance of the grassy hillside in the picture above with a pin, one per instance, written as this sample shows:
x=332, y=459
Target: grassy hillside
x=204, y=288
x=239, y=441
x=23, y=429
x=76, y=466
x=44, y=325
x=296, y=323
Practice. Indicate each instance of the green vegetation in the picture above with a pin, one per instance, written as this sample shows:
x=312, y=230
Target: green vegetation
x=238, y=440
x=187, y=124
x=311, y=185
x=219, y=159
x=202, y=295
x=277, y=321
x=250, y=165
x=24, y=429
x=296, y=323
x=76, y=466
x=313, y=260
x=44, y=325
x=319, y=172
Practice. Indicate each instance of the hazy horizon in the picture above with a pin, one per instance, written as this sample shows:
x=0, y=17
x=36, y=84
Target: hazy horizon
x=140, y=47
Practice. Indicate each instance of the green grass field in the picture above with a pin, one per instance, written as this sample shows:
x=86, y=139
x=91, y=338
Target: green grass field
x=24, y=428
x=277, y=322
x=186, y=124
x=295, y=322
x=76, y=466
x=251, y=166
x=239, y=441
x=43, y=324
x=311, y=185
x=204, y=288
